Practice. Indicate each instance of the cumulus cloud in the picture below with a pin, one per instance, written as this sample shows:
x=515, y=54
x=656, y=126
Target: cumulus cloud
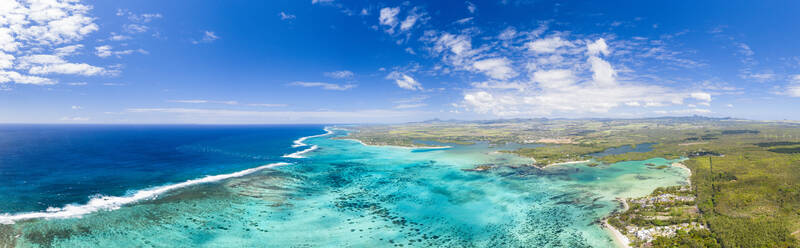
x=497, y=68
x=602, y=72
x=37, y=36
x=702, y=96
x=16, y=77
x=558, y=84
x=388, y=17
x=404, y=81
x=597, y=47
x=53, y=64
x=325, y=86
x=547, y=45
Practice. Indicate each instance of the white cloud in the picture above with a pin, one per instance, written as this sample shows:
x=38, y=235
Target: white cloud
x=497, y=68
x=325, y=86
x=408, y=106
x=43, y=64
x=388, y=17
x=208, y=37
x=103, y=51
x=41, y=34
x=471, y=7
x=285, y=16
x=118, y=37
x=339, y=74
x=16, y=77
x=411, y=19
x=547, y=45
x=199, y=101
x=106, y=51
x=559, y=86
x=135, y=28
x=404, y=81
x=140, y=18
x=194, y=115
x=271, y=105
x=554, y=79
x=76, y=107
x=507, y=34
x=77, y=119
x=761, y=77
x=702, y=96
x=464, y=20
x=597, y=47
x=321, y=1
x=602, y=73
x=6, y=60
x=520, y=86
x=78, y=83
x=793, y=89
x=457, y=44
x=67, y=50
x=691, y=111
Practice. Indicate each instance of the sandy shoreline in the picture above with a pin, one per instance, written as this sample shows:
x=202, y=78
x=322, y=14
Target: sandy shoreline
x=688, y=178
x=619, y=239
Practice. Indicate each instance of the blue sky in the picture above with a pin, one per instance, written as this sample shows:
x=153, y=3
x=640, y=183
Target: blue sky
x=333, y=61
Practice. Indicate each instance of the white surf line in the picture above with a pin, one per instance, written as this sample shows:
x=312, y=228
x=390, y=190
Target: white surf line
x=299, y=142
x=100, y=203
x=299, y=154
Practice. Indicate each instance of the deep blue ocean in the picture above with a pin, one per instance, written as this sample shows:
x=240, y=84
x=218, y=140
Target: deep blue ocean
x=45, y=166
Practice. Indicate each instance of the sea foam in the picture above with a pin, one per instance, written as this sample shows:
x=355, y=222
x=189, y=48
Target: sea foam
x=299, y=154
x=100, y=203
x=299, y=143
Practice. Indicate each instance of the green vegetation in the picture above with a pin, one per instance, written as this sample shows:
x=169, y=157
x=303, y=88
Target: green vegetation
x=559, y=153
x=750, y=199
x=693, y=238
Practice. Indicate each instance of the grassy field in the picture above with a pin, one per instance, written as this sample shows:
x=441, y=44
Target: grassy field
x=751, y=198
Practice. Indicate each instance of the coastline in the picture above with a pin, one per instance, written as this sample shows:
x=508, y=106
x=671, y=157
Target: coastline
x=395, y=146
x=619, y=239
x=569, y=162
x=688, y=178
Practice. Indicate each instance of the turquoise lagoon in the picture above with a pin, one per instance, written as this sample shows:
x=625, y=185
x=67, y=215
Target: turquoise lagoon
x=346, y=194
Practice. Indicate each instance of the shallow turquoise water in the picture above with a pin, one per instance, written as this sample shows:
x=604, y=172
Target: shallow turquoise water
x=345, y=194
